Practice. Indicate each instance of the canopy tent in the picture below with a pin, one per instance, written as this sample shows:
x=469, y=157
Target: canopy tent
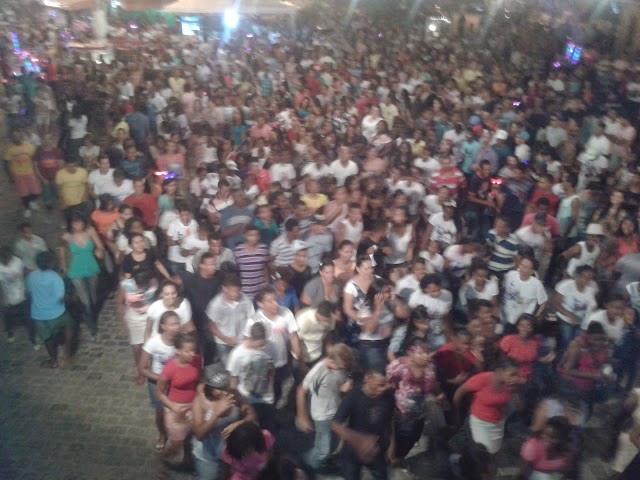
x=243, y=7
x=70, y=5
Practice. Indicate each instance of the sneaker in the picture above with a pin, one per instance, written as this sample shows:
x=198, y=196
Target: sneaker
x=34, y=206
x=10, y=338
x=36, y=347
x=27, y=213
x=93, y=337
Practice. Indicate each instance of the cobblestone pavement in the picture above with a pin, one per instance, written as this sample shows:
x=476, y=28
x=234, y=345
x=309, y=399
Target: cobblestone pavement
x=90, y=421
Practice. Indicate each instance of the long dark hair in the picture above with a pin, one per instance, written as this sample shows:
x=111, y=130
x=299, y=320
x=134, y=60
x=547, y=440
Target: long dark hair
x=417, y=314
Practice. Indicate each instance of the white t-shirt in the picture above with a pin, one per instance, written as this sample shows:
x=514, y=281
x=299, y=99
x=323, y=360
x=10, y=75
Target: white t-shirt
x=431, y=205
x=122, y=242
x=77, y=127
x=341, y=172
x=526, y=236
x=407, y=285
x=614, y=331
x=444, y=231
x=283, y=173
x=160, y=352
x=98, y=180
x=278, y=332
x=316, y=173
x=521, y=296
x=578, y=303
x=193, y=241
x=428, y=166
x=437, y=308
x=118, y=192
x=157, y=308
x=435, y=263
x=12, y=282
x=178, y=231
x=253, y=367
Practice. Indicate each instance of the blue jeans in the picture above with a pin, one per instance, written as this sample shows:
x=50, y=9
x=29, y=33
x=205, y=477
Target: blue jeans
x=206, y=469
x=478, y=224
x=86, y=292
x=322, y=444
x=567, y=333
x=374, y=353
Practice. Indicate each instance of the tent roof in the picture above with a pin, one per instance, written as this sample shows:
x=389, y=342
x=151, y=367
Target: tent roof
x=244, y=7
x=71, y=5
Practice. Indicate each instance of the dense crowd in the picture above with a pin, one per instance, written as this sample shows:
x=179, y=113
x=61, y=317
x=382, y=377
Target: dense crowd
x=407, y=227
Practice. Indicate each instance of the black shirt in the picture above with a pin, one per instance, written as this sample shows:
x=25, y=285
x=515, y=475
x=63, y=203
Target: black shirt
x=480, y=187
x=200, y=291
x=367, y=415
x=131, y=266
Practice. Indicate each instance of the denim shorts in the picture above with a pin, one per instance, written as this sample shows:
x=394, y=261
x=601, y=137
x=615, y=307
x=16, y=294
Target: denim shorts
x=153, y=396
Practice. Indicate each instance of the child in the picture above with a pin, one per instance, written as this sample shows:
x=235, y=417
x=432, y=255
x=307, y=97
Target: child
x=547, y=456
x=325, y=382
x=247, y=452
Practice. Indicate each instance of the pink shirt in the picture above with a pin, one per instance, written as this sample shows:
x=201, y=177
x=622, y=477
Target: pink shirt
x=248, y=468
x=534, y=451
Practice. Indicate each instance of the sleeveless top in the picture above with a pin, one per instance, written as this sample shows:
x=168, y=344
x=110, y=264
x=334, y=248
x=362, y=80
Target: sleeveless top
x=585, y=258
x=564, y=216
x=399, y=245
x=587, y=363
x=211, y=448
x=351, y=233
x=83, y=263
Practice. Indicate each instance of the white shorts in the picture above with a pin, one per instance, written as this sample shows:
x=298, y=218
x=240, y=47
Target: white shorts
x=486, y=433
x=137, y=324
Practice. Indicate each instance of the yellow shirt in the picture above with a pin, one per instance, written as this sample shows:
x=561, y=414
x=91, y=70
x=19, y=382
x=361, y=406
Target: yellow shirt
x=20, y=158
x=315, y=203
x=72, y=186
x=122, y=125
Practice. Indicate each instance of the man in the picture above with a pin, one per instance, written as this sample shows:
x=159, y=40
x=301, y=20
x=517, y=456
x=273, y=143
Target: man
x=48, y=311
x=448, y=176
x=48, y=161
x=320, y=242
x=542, y=208
x=15, y=307
x=120, y=187
x=72, y=188
x=486, y=152
x=234, y=219
x=514, y=196
x=467, y=152
x=364, y=422
x=18, y=159
x=220, y=254
x=315, y=330
x=144, y=204
x=554, y=133
x=179, y=229
x=502, y=246
x=134, y=164
x=344, y=166
x=481, y=205
x=102, y=177
x=252, y=259
x=282, y=247
x=227, y=314
x=139, y=127
x=282, y=331
x=538, y=237
x=523, y=293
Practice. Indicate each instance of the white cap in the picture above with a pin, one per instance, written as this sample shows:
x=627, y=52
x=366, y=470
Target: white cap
x=594, y=229
x=502, y=135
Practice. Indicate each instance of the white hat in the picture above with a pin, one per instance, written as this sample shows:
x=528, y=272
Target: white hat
x=594, y=229
x=299, y=245
x=502, y=135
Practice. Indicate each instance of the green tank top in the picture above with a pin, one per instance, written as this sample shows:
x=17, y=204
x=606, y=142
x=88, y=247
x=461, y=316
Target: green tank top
x=83, y=263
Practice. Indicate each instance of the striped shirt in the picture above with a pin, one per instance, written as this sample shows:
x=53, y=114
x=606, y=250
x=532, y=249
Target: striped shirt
x=503, y=251
x=252, y=265
x=282, y=251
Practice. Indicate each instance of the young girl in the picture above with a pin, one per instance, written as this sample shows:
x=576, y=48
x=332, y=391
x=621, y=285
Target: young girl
x=248, y=452
x=156, y=352
x=176, y=390
x=170, y=299
x=547, y=456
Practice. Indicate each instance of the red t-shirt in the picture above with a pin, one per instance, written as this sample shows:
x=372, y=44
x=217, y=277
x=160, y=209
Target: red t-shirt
x=449, y=363
x=147, y=204
x=488, y=404
x=48, y=162
x=524, y=354
x=182, y=380
x=553, y=200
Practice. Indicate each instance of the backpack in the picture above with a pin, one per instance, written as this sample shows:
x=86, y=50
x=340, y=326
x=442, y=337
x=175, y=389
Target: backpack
x=258, y=375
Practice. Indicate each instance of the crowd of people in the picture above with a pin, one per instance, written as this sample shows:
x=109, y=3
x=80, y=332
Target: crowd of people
x=374, y=225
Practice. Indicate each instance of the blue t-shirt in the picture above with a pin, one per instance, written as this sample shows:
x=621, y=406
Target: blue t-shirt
x=47, y=294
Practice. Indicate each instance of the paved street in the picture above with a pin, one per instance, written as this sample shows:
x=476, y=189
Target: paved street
x=90, y=421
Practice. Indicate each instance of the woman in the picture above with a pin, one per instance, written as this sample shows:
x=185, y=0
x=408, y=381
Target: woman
x=355, y=302
x=547, y=456
x=583, y=364
x=172, y=160
x=217, y=412
x=404, y=157
x=611, y=215
x=627, y=238
x=170, y=300
x=412, y=378
x=336, y=210
x=492, y=393
x=141, y=258
x=156, y=352
x=131, y=226
x=404, y=335
x=438, y=302
x=370, y=123
x=247, y=452
x=344, y=265
x=381, y=141
x=167, y=201
x=575, y=299
x=84, y=247
x=221, y=200
x=323, y=286
x=135, y=296
x=522, y=348
x=176, y=389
